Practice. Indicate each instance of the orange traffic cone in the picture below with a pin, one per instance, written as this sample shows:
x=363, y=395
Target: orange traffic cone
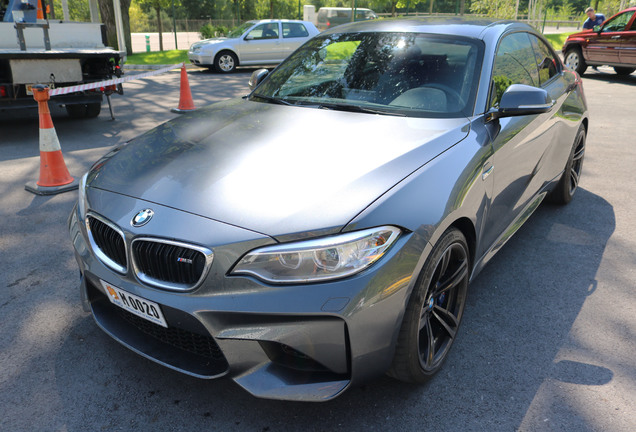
x=54, y=176
x=40, y=12
x=185, y=97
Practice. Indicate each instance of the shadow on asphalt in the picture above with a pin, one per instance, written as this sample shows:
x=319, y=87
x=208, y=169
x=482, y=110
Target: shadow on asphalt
x=608, y=75
x=519, y=313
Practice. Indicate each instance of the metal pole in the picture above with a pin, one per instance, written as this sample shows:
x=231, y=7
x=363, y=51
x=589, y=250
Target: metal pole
x=65, y=10
x=545, y=16
x=174, y=27
x=92, y=5
x=119, y=26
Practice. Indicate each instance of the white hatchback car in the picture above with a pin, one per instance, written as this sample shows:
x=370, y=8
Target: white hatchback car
x=263, y=42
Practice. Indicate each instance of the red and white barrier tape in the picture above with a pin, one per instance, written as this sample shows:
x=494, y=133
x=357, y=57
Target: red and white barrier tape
x=94, y=85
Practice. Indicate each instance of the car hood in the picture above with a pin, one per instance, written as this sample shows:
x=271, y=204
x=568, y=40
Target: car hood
x=581, y=34
x=210, y=41
x=271, y=168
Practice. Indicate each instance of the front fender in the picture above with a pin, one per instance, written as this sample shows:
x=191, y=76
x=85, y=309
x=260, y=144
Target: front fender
x=214, y=50
x=448, y=188
x=580, y=42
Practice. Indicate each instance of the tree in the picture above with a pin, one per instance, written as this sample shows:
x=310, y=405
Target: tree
x=494, y=8
x=409, y=5
x=107, y=13
x=157, y=5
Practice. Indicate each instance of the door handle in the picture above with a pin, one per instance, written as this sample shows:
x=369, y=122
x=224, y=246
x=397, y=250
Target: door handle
x=616, y=37
x=487, y=170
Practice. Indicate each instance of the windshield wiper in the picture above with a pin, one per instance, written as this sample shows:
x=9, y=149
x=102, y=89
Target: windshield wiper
x=273, y=99
x=357, y=108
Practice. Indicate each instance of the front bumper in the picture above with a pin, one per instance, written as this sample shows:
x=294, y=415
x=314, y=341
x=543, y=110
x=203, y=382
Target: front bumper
x=303, y=342
x=200, y=59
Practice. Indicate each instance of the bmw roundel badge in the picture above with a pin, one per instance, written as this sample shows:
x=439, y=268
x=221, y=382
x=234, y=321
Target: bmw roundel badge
x=142, y=218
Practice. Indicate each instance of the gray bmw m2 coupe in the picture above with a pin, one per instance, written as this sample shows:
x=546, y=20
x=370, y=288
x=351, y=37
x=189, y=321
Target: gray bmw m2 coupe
x=323, y=230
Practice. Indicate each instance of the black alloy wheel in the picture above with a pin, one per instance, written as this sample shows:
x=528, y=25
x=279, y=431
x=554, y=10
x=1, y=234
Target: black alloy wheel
x=569, y=182
x=434, y=311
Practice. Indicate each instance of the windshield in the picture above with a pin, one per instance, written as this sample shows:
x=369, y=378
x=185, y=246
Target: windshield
x=238, y=31
x=394, y=73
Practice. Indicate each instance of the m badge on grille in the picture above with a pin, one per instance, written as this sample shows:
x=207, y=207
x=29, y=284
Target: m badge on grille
x=184, y=260
x=142, y=218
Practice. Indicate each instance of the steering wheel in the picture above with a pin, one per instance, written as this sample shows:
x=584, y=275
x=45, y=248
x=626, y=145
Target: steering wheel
x=452, y=94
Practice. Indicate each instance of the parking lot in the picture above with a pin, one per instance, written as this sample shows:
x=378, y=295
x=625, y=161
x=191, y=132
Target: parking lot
x=548, y=341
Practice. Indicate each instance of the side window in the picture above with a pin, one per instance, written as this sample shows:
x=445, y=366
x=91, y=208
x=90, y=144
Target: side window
x=293, y=30
x=547, y=64
x=619, y=23
x=264, y=31
x=514, y=64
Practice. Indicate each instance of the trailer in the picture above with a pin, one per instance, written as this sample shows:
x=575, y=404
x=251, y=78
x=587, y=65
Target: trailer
x=36, y=50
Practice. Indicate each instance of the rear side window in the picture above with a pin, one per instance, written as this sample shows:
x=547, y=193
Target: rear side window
x=293, y=30
x=515, y=63
x=547, y=64
x=264, y=31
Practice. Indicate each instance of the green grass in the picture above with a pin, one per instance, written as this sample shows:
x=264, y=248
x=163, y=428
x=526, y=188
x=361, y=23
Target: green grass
x=178, y=56
x=159, y=57
x=557, y=40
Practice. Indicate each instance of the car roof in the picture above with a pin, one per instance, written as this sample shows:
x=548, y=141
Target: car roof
x=342, y=8
x=455, y=26
x=277, y=20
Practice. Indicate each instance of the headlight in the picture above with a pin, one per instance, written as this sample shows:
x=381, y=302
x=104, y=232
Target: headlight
x=196, y=49
x=317, y=260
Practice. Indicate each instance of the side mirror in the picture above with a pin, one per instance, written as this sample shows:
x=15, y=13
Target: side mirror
x=256, y=78
x=520, y=100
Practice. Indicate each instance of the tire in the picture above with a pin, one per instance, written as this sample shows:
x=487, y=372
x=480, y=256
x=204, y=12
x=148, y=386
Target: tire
x=79, y=111
x=575, y=61
x=225, y=62
x=93, y=109
x=434, y=310
x=623, y=70
x=569, y=181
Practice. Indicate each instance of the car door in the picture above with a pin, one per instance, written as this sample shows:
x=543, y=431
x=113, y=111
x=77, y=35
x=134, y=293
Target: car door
x=604, y=48
x=627, y=54
x=262, y=45
x=294, y=35
x=518, y=142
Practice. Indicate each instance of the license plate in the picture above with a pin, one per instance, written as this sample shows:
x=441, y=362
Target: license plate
x=29, y=88
x=135, y=305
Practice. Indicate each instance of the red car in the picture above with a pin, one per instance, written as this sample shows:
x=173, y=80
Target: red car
x=613, y=43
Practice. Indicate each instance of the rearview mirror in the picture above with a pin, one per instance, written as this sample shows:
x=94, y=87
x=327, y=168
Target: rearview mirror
x=521, y=99
x=256, y=78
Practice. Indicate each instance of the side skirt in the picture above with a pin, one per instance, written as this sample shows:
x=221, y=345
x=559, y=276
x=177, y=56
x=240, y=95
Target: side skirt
x=508, y=233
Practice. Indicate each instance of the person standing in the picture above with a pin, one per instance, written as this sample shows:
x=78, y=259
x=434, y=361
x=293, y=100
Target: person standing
x=593, y=18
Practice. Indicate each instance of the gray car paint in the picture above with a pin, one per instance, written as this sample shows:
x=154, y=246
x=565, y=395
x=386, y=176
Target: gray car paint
x=351, y=322
x=245, y=163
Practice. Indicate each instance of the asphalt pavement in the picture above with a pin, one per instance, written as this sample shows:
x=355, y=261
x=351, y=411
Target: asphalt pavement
x=548, y=341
